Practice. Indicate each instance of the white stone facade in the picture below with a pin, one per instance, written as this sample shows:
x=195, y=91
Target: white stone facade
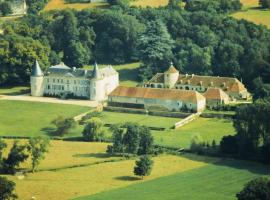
x=60, y=80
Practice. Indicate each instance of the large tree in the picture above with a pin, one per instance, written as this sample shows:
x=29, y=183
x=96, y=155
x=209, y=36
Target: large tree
x=265, y=3
x=93, y=130
x=7, y=188
x=143, y=166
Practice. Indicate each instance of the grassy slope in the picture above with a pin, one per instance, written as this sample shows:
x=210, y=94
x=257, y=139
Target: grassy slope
x=74, y=182
x=216, y=181
x=20, y=118
x=60, y=4
x=14, y=90
x=151, y=121
x=208, y=128
x=253, y=13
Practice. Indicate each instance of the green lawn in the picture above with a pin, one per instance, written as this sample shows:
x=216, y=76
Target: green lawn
x=128, y=73
x=215, y=181
x=19, y=118
x=142, y=119
x=208, y=128
x=14, y=90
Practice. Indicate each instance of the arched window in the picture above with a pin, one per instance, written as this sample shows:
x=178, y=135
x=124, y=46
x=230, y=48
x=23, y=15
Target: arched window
x=187, y=88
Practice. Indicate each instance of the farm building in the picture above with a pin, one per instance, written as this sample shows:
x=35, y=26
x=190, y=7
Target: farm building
x=216, y=97
x=173, y=100
x=172, y=79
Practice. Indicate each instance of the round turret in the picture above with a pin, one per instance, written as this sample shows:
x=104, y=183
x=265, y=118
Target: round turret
x=37, y=80
x=171, y=76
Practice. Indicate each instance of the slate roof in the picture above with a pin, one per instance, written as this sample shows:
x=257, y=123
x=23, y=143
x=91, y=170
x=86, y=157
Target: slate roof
x=63, y=70
x=36, y=71
x=157, y=93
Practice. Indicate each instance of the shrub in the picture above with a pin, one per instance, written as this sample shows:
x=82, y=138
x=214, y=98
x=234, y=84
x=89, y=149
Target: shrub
x=7, y=188
x=197, y=144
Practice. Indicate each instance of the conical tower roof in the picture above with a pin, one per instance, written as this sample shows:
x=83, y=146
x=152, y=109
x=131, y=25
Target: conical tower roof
x=172, y=69
x=96, y=72
x=36, y=71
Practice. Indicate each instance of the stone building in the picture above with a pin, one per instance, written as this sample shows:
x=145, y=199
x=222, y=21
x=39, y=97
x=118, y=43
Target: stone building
x=18, y=7
x=170, y=99
x=216, y=97
x=61, y=80
x=172, y=79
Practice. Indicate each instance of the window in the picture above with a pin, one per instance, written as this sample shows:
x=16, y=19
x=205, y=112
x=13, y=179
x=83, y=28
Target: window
x=49, y=87
x=54, y=80
x=61, y=80
x=58, y=80
x=74, y=81
x=62, y=87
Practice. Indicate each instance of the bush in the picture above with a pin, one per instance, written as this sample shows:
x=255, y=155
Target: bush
x=197, y=144
x=229, y=145
x=93, y=130
x=7, y=189
x=5, y=8
x=258, y=188
x=265, y=152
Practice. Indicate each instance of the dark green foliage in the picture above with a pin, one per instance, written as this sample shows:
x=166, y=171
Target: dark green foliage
x=143, y=166
x=7, y=188
x=258, y=188
x=63, y=125
x=90, y=115
x=252, y=126
x=5, y=8
x=37, y=148
x=264, y=3
x=213, y=5
x=229, y=145
x=17, y=155
x=34, y=6
x=265, y=152
x=146, y=142
x=131, y=138
x=93, y=130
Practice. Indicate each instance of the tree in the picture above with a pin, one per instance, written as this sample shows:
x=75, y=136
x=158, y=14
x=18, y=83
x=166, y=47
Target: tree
x=37, y=147
x=118, y=139
x=143, y=166
x=155, y=48
x=34, y=6
x=5, y=8
x=146, y=141
x=229, y=145
x=17, y=155
x=132, y=138
x=7, y=188
x=63, y=125
x=258, y=188
x=264, y=3
x=197, y=144
x=93, y=130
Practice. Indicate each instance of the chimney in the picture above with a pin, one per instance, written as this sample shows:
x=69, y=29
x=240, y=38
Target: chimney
x=192, y=75
x=73, y=69
x=186, y=75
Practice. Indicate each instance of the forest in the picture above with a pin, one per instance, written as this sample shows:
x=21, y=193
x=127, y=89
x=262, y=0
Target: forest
x=199, y=38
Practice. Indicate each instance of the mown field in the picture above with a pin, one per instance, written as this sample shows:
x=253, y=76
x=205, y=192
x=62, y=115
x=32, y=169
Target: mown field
x=59, y=180
x=19, y=118
x=60, y=4
x=252, y=12
x=221, y=180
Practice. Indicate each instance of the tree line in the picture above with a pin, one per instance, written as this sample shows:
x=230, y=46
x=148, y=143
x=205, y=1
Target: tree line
x=199, y=38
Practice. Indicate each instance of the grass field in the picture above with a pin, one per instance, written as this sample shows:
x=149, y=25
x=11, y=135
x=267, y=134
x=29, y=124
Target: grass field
x=252, y=12
x=220, y=181
x=60, y=4
x=14, y=90
x=80, y=181
x=142, y=119
x=19, y=118
x=208, y=128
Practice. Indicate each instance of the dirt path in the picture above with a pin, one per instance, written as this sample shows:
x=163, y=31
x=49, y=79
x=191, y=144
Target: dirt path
x=88, y=103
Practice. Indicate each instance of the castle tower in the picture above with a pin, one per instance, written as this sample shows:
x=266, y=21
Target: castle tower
x=171, y=76
x=97, y=90
x=37, y=81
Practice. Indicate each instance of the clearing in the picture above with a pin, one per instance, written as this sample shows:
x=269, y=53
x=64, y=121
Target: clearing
x=252, y=12
x=221, y=180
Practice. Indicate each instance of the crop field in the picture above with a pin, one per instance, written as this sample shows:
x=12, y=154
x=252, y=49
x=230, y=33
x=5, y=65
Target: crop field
x=252, y=12
x=221, y=180
x=150, y=3
x=142, y=119
x=71, y=182
x=19, y=118
x=209, y=128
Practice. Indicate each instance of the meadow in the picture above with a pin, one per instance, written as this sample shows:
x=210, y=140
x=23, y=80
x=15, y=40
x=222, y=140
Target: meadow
x=19, y=118
x=14, y=90
x=61, y=4
x=60, y=178
x=220, y=180
x=252, y=12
